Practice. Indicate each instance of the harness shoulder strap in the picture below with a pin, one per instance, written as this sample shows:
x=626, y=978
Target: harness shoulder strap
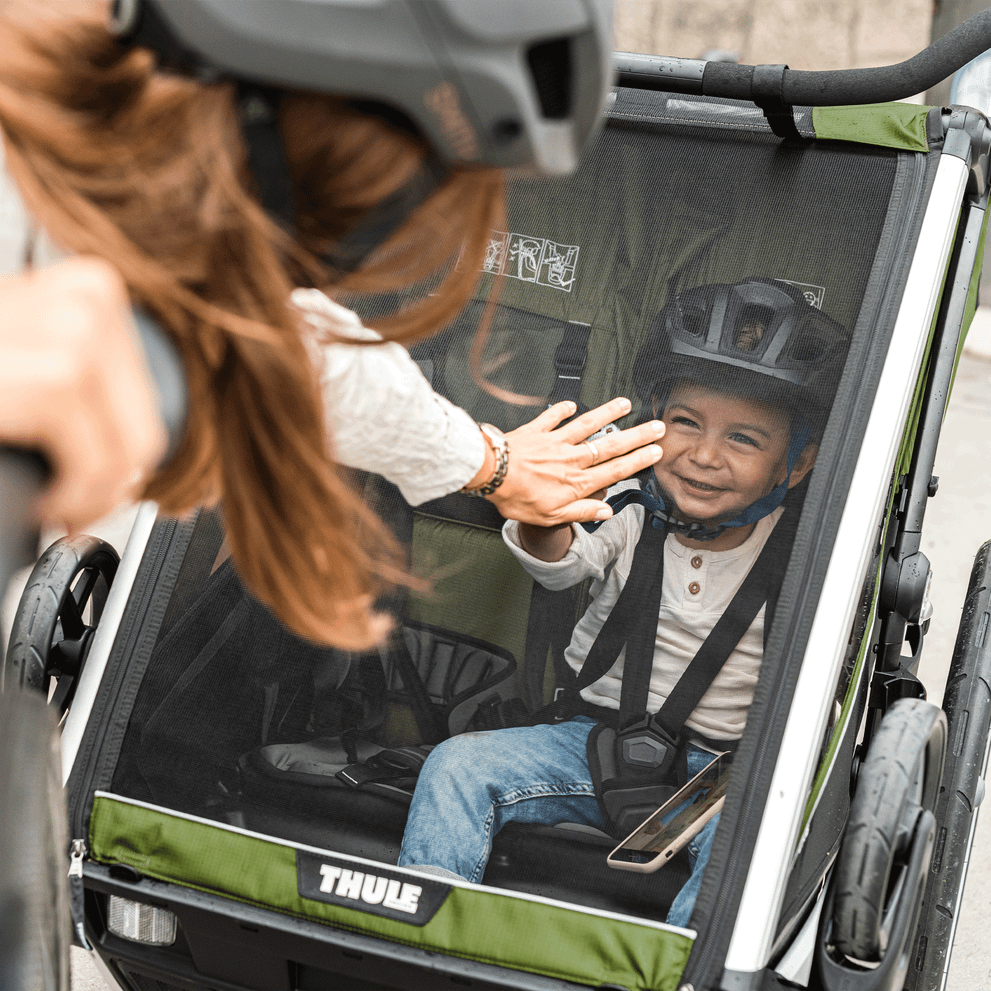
x=635, y=610
x=761, y=581
x=551, y=617
x=633, y=622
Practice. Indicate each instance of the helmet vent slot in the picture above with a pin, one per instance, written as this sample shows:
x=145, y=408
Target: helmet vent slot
x=550, y=69
x=752, y=325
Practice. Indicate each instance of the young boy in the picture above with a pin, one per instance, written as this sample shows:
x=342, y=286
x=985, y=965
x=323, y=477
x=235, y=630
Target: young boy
x=741, y=376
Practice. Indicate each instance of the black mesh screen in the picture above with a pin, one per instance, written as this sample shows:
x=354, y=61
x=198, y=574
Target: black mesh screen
x=695, y=264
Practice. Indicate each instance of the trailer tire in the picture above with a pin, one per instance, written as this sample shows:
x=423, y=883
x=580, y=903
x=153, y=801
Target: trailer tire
x=58, y=613
x=34, y=892
x=899, y=778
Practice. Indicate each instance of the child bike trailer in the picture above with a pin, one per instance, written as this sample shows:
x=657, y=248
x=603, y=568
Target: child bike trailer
x=238, y=796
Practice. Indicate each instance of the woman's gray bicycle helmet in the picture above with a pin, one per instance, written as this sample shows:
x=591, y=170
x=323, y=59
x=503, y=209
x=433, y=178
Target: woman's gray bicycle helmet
x=488, y=82
x=759, y=338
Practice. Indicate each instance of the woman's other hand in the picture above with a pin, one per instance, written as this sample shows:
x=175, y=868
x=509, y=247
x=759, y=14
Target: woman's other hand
x=74, y=385
x=556, y=476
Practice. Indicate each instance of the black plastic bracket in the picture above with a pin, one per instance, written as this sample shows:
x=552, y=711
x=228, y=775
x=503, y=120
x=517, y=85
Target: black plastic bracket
x=889, y=686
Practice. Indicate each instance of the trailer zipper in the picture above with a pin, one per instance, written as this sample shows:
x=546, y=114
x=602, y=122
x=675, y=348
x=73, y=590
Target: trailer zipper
x=138, y=618
x=77, y=853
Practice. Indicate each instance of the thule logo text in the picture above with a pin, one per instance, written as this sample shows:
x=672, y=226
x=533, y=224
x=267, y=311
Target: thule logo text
x=348, y=884
x=372, y=890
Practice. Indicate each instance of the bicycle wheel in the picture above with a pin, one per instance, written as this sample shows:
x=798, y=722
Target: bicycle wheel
x=967, y=703
x=34, y=893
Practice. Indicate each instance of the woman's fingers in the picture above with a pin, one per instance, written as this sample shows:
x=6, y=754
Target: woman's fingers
x=601, y=476
x=553, y=416
x=593, y=420
x=74, y=384
x=620, y=442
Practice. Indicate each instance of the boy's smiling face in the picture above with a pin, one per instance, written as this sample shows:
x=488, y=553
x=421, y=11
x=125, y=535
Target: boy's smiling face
x=722, y=453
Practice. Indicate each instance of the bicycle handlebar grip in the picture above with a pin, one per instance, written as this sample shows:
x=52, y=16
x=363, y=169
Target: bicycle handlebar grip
x=169, y=377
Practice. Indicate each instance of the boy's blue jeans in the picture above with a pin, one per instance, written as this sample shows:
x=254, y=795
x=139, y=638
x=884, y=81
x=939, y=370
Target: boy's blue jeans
x=473, y=784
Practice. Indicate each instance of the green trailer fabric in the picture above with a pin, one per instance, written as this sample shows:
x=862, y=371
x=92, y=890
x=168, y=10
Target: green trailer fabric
x=885, y=125
x=490, y=603
x=482, y=924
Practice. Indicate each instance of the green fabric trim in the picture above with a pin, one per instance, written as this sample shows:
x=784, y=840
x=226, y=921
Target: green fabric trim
x=886, y=125
x=474, y=923
x=826, y=764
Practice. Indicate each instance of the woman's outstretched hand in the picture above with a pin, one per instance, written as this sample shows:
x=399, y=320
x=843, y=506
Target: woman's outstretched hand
x=554, y=475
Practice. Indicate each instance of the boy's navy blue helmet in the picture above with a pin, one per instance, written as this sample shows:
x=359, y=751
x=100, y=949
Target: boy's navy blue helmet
x=758, y=338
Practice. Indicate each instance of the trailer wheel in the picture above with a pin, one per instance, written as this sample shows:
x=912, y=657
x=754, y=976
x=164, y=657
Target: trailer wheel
x=898, y=780
x=57, y=615
x=34, y=894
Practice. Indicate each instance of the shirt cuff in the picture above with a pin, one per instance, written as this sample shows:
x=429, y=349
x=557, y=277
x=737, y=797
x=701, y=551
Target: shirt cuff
x=511, y=536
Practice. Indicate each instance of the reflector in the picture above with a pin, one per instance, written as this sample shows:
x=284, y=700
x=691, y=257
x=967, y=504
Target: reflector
x=140, y=922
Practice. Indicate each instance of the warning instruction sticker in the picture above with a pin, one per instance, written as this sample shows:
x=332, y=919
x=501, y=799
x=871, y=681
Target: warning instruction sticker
x=531, y=259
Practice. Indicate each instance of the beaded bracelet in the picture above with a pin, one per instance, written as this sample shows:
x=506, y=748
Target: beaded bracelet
x=500, y=448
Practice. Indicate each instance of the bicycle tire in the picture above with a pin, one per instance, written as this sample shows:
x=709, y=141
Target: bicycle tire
x=967, y=703
x=34, y=893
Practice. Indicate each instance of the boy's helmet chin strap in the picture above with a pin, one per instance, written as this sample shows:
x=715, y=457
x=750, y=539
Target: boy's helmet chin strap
x=656, y=501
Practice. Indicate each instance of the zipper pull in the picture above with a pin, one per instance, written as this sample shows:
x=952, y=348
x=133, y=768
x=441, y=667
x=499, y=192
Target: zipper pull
x=77, y=853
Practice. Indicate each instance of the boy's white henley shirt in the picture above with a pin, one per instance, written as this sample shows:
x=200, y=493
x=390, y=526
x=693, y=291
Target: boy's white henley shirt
x=698, y=586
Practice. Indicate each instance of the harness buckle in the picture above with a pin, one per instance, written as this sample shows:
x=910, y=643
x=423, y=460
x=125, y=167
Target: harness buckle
x=647, y=746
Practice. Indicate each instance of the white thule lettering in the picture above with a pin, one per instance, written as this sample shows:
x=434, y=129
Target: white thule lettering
x=373, y=890
x=350, y=884
x=402, y=897
x=330, y=875
x=370, y=889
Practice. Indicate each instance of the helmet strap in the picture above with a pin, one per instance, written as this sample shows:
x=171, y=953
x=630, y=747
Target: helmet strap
x=386, y=217
x=656, y=501
x=258, y=110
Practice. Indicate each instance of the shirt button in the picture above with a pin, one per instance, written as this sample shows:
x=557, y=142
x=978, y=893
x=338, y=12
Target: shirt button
x=695, y=588
x=696, y=562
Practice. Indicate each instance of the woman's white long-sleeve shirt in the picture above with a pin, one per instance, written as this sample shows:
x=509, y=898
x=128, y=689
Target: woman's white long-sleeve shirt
x=382, y=413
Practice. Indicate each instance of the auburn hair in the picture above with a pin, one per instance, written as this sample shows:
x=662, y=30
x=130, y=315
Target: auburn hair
x=147, y=170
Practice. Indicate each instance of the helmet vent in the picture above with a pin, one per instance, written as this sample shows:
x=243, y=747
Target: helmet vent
x=550, y=69
x=694, y=320
x=753, y=324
